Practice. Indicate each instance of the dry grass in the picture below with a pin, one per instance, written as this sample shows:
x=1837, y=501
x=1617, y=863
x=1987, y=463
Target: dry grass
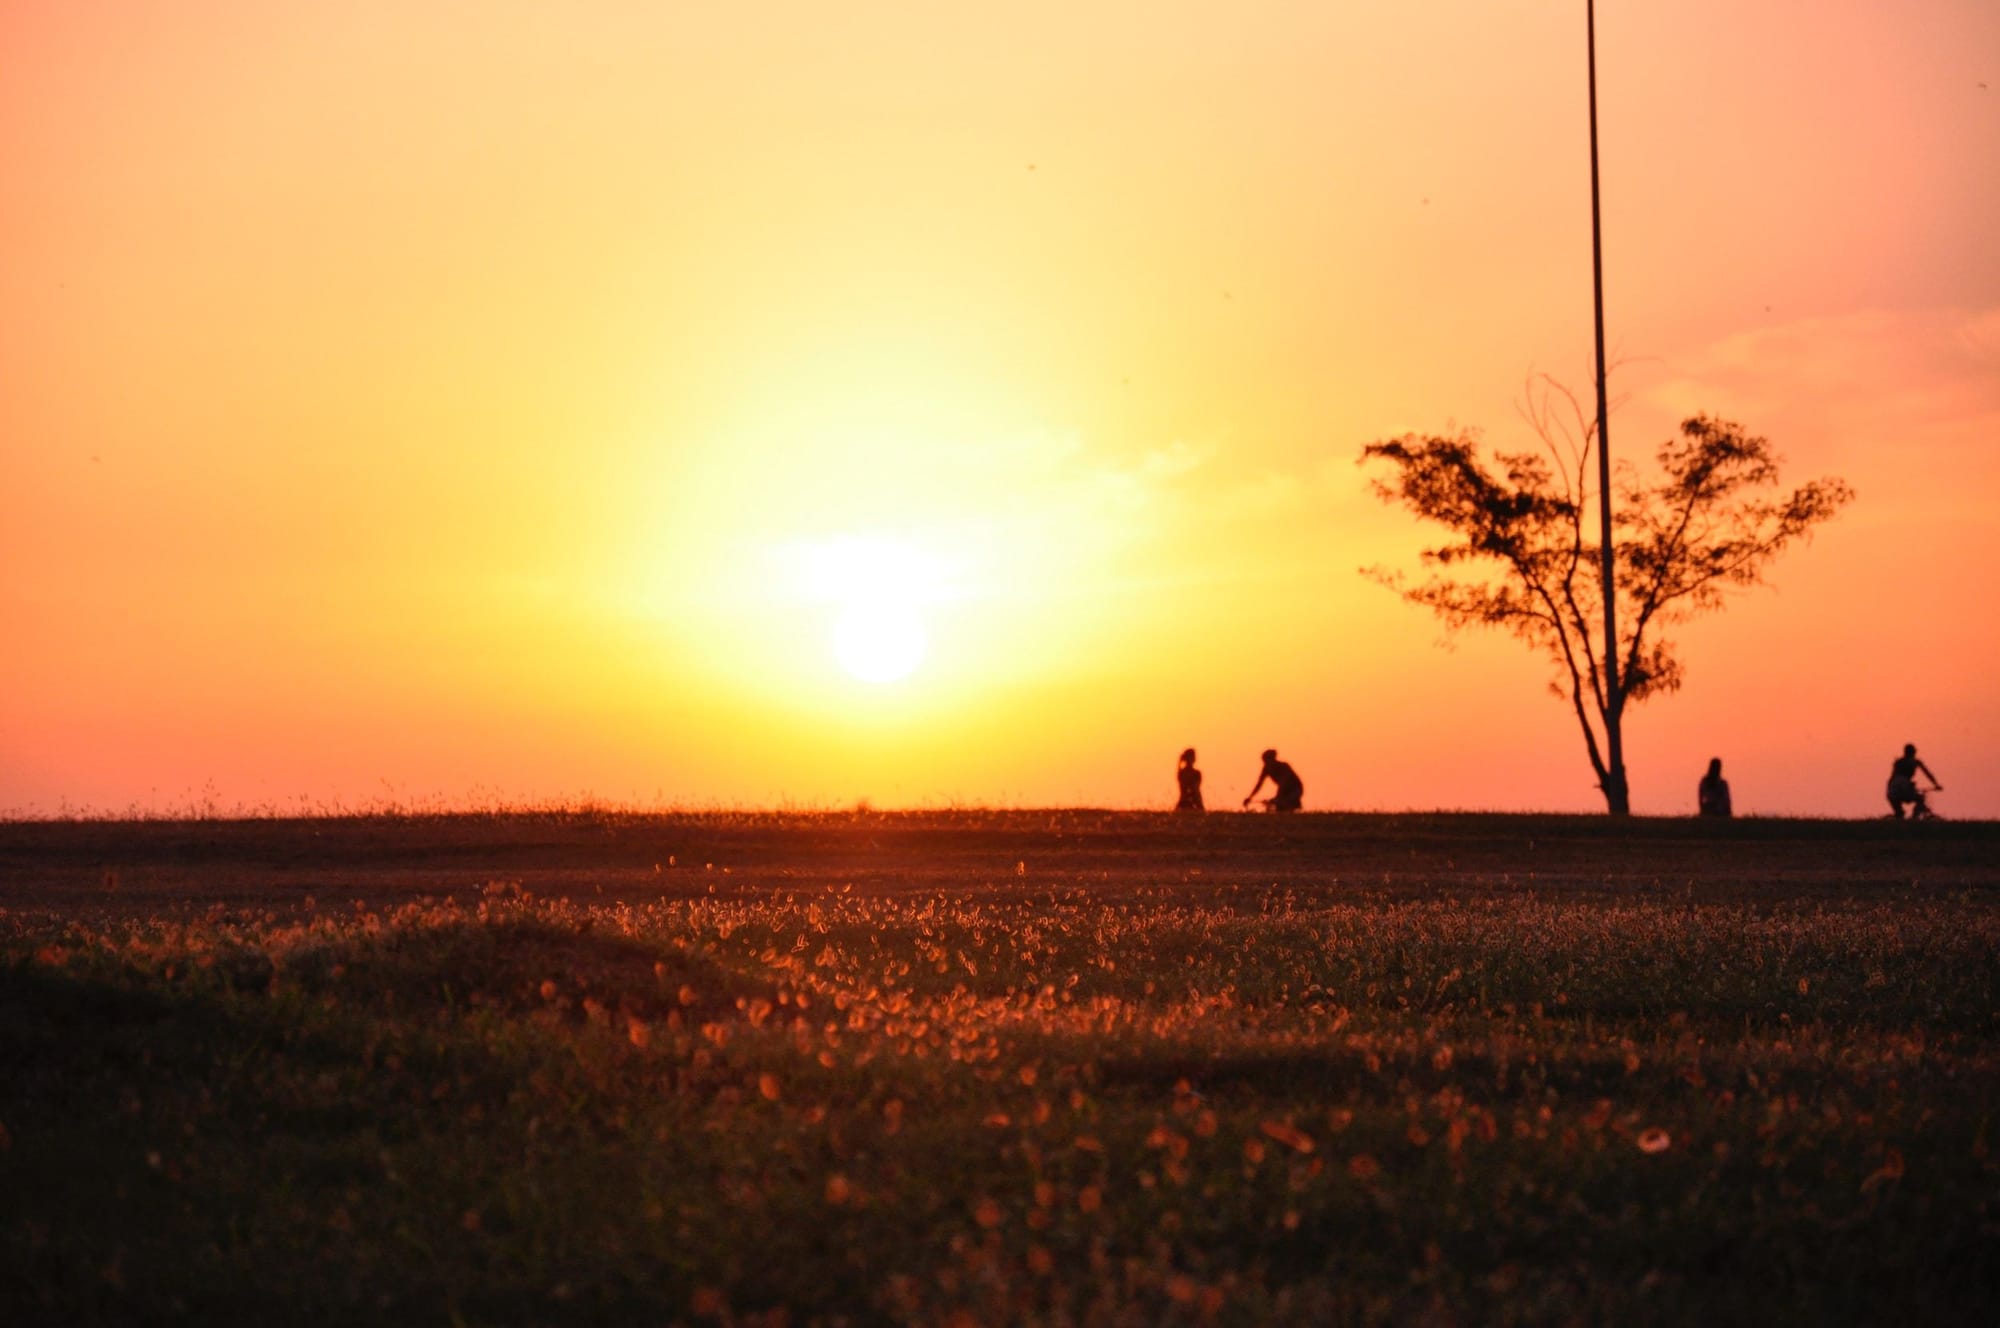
x=1005, y=1069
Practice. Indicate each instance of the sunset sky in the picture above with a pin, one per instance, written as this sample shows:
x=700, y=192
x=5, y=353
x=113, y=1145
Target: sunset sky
x=455, y=403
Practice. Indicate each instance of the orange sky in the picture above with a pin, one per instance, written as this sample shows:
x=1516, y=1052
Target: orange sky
x=468, y=402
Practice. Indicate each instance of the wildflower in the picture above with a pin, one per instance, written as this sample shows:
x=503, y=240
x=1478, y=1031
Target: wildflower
x=1089, y=1199
x=767, y=1085
x=1363, y=1167
x=838, y=1190
x=1892, y=1169
x=987, y=1214
x=1290, y=1136
x=1654, y=1140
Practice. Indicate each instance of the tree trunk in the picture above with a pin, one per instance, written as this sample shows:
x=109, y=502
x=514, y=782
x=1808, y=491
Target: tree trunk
x=1617, y=793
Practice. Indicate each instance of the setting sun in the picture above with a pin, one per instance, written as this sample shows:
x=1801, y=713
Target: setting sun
x=879, y=642
x=876, y=586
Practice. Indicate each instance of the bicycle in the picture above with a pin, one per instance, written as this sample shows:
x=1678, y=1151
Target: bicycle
x=1920, y=806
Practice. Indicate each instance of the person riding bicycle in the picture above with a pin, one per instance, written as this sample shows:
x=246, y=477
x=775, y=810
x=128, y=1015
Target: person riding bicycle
x=1288, y=789
x=1903, y=790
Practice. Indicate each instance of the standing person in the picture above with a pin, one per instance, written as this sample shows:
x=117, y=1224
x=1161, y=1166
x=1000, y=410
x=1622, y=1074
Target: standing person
x=1190, y=781
x=1289, y=789
x=1713, y=795
x=1903, y=784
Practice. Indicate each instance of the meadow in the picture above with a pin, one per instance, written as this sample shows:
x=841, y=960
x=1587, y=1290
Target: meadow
x=998, y=1068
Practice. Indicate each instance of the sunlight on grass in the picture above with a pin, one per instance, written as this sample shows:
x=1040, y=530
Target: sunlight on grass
x=1037, y=1107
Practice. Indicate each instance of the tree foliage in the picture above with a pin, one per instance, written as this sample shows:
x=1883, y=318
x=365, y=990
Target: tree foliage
x=1520, y=554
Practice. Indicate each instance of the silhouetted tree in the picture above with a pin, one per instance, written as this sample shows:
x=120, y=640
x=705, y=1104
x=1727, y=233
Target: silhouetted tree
x=1520, y=558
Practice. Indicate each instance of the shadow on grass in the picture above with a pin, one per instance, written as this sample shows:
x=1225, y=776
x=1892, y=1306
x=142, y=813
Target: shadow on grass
x=218, y=1135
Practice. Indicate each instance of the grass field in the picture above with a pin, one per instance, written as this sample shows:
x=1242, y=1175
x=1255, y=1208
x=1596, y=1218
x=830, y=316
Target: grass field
x=999, y=1068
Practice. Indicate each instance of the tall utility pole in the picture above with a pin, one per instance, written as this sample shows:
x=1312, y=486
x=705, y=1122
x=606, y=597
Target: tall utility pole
x=1615, y=793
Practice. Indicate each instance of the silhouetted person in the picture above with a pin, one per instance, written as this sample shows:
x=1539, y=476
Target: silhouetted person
x=1713, y=795
x=1289, y=789
x=1190, y=780
x=1903, y=790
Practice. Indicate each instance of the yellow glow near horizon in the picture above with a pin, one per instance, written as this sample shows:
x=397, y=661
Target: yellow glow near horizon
x=921, y=535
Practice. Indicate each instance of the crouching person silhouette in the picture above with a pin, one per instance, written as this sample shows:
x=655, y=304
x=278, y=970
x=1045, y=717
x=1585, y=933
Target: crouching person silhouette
x=1288, y=790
